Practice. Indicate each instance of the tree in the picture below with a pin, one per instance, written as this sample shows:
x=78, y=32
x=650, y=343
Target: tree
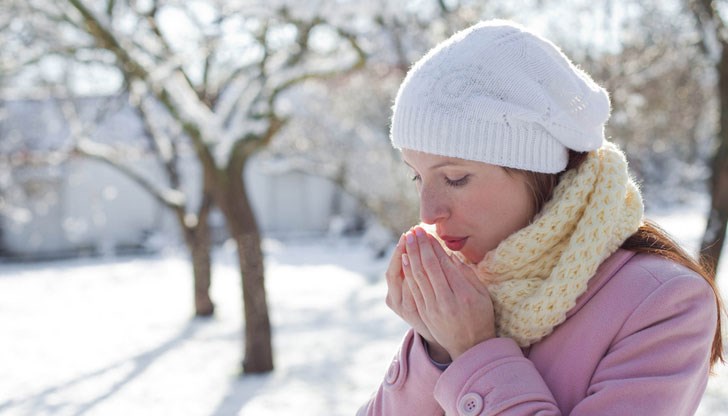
x=28, y=42
x=165, y=142
x=662, y=107
x=715, y=45
x=219, y=70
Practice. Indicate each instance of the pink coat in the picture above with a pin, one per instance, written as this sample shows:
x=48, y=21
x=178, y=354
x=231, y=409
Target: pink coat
x=636, y=343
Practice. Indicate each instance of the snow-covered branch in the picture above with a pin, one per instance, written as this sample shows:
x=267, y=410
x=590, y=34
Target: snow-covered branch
x=84, y=146
x=288, y=77
x=167, y=80
x=715, y=34
x=172, y=198
x=161, y=134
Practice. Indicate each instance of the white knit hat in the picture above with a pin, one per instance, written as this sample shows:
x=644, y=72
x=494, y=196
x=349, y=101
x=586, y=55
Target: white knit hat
x=499, y=94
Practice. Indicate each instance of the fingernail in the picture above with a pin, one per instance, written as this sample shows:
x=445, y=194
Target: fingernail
x=410, y=238
x=405, y=260
x=420, y=232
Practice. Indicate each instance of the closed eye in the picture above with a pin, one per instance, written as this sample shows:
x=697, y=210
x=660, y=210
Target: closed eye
x=457, y=182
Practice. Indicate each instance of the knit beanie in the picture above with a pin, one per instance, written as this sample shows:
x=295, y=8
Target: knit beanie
x=499, y=94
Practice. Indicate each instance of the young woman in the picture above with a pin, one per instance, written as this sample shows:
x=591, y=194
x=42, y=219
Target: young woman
x=534, y=286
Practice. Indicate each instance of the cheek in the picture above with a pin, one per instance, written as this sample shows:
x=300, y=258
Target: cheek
x=516, y=210
x=499, y=215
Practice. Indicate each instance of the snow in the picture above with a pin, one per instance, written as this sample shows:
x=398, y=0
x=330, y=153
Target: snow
x=114, y=336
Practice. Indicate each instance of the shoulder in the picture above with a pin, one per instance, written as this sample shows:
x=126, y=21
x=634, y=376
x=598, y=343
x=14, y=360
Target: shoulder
x=665, y=287
x=627, y=280
x=658, y=269
x=644, y=274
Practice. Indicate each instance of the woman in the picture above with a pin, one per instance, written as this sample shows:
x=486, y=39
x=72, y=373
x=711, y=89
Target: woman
x=537, y=287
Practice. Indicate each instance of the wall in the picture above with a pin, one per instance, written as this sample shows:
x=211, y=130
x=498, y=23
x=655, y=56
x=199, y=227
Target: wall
x=85, y=206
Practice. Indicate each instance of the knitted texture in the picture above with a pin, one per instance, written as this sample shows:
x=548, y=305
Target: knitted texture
x=535, y=275
x=499, y=94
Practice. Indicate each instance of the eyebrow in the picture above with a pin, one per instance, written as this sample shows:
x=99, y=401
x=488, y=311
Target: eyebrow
x=439, y=165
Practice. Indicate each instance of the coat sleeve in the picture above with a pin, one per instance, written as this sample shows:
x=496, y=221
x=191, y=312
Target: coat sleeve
x=658, y=364
x=494, y=378
x=408, y=386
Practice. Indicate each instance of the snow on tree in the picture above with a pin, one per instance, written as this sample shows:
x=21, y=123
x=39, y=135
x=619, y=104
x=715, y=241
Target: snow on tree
x=218, y=70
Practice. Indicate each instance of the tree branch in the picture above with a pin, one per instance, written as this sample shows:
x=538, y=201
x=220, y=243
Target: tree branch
x=360, y=61
x=165, y=147
x=110, y=8
x=164, y=82
x=708, y=21
x=84, y=146
x=107, y=40
x=171, y=198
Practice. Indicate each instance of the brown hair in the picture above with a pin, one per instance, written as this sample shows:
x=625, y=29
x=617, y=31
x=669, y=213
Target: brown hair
x=649, y=238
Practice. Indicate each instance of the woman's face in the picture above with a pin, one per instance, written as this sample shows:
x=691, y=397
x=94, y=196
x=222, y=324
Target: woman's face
x=473, y=205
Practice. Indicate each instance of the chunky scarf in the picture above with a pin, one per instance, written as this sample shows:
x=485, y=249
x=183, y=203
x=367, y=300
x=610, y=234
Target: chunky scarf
x=536, y=274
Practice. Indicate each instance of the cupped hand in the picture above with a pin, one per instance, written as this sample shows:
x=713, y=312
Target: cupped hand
x=399, y=296
x=452, y=303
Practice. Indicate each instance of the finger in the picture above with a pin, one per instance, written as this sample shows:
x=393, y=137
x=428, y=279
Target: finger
x=417, y=276
x=408, y=300
x=448, y=263
x=394, y=273
x=459, y=274
x=395, y=264
x=433, y=264
x=414, y=289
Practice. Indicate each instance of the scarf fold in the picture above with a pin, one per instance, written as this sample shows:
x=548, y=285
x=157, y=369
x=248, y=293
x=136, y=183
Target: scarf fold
x=536, y=274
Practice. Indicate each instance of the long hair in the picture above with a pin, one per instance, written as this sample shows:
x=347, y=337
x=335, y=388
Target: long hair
x=649, y=238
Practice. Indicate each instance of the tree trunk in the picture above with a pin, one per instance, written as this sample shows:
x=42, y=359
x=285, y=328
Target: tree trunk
x=243, y=228
x=200, y=253
x=258, y=350
x=715, y=230
x=713, y=239
x=198, y=243
x=197, y=239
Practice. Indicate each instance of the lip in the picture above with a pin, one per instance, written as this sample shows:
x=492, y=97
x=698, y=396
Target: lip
x=454, y=243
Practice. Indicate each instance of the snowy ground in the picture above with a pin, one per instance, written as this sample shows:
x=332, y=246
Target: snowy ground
x=114, y=336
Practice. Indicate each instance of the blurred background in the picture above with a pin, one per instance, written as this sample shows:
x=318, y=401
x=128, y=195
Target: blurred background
x=198, y=198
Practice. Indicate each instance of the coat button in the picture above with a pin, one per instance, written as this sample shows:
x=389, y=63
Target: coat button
x=470, y=404
x=392, y=372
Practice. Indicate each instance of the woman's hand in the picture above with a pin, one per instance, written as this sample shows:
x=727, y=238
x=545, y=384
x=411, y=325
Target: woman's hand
x=400, y=300
x=450, y=300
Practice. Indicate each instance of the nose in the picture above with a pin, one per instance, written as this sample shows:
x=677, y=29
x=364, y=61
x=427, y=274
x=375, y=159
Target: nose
x=433, y=205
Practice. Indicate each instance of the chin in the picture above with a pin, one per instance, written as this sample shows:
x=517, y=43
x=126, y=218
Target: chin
x=471, y=256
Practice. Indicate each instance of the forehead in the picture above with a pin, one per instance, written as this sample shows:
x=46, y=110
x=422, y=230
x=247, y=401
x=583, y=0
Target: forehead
x=428, y=160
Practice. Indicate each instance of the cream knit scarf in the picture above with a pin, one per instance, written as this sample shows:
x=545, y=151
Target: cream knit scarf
x=535, y=275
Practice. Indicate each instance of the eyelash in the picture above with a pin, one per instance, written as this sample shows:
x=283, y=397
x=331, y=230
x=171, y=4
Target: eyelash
x=454, y=183
x=458, y=182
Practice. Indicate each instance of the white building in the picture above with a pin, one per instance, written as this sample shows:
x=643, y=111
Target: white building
x=76, y=204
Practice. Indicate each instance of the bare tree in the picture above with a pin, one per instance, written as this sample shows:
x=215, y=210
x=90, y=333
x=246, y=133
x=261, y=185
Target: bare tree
x=29, y=40
x=661, y=103
x=191, y=212
x=715, y=46
x=219, y=70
